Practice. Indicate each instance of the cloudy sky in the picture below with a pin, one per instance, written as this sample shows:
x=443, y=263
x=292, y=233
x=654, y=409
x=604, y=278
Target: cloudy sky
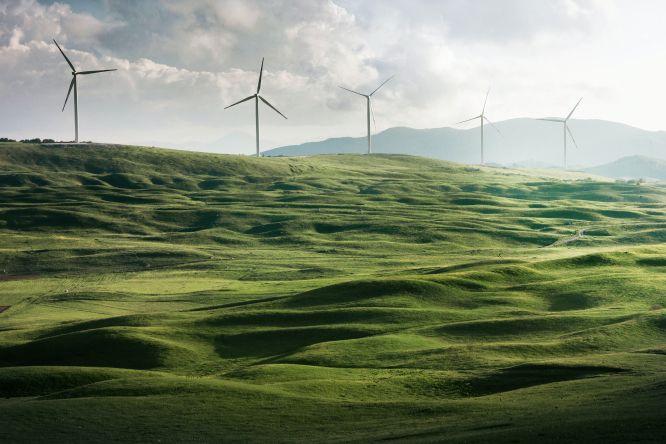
x=181, y=61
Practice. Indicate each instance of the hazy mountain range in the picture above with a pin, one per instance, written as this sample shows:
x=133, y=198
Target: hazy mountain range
x=632, y=167
x=522, y=142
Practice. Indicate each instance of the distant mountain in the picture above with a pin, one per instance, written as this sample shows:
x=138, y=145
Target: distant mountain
x=522, y=142
x=632, y=167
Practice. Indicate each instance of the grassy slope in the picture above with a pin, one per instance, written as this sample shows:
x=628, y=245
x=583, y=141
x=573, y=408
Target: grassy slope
x=167, y=295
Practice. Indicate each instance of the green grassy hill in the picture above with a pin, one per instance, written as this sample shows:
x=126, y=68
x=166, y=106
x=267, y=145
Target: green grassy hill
x=155, y=295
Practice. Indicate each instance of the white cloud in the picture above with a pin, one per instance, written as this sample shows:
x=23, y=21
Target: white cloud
x=42, y=23
x=180, y=62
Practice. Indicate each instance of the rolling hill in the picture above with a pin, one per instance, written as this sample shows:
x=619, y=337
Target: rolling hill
x=632, y=167
x=522, y=142
x=157, y=295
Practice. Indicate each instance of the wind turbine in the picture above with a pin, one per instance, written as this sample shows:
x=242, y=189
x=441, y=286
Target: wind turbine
x=73, y=84
x=369, y=107
x=257, y=98
x=566, y=129
x=482, y=117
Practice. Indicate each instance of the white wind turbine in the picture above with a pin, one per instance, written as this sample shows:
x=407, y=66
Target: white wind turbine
x=257, y=98
x=369, y=108
x=482, y=117
x=73, y=84
x=565, y=125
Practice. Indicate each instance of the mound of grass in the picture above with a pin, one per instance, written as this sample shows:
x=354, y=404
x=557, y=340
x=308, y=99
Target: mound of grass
x=102, y=347
x=566, y=213
x=40, y=381
x=528, y=375
x=22, y=180
x=377, y=293
x=36, y=219
x=124, y=180
x=272, y=342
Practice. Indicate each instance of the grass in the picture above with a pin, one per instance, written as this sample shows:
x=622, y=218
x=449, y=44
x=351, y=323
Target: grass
x=158, y=295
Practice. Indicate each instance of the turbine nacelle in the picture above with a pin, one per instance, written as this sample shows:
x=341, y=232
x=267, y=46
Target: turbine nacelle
x=367, y=96
x=369, y=110
x=482, y=118
x=72, y=85
x=76, y=73
x=564, y=121
x=257, y=98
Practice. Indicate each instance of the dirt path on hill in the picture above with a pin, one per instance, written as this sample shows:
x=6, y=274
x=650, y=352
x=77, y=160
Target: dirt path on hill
x=579, y=235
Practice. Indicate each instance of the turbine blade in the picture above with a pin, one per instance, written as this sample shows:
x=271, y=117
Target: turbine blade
x=552, y=120
x=274, y=108
x=572, y=137
x=469, y=120
x=261, y=72
x=351, y=91
x=493, y=125
x=485, y=101
x=383, y=83
x=241, y=101
x=574, y=109
x=96, y=71
x=63, y=54
x=71, y=85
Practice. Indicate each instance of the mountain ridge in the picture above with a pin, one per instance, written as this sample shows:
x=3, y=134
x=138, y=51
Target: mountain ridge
x=522, y=140
x=632, y=167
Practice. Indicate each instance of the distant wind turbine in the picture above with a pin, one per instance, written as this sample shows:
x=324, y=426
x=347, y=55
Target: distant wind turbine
x=482, y=117
x=369, y=108
x=566, y=129
x=73, y=84
x=257, y=98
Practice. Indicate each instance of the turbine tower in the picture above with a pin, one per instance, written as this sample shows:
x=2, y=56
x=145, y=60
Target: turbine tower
x=257, y=98
x=73, y=84
x=565, y=126
x=482, y=117
x=369, y=108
